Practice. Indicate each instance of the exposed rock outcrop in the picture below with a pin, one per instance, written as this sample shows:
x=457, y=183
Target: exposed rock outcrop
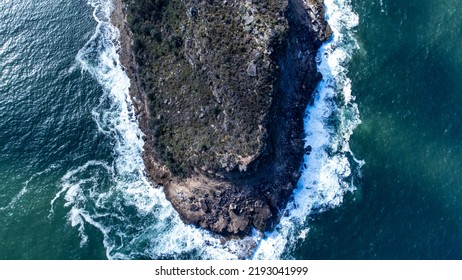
x=220, y=88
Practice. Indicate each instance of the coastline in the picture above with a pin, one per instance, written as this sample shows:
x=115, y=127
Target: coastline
x=155, y=171
x=233, y=206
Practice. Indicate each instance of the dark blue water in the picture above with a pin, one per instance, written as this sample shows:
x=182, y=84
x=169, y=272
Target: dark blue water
x=72, y=177
x=406, y=78
x=45, y=123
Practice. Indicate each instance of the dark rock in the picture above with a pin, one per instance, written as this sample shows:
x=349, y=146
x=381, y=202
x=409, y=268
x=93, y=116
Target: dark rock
x=308, y=150
x=204, y=206
x=220, y=89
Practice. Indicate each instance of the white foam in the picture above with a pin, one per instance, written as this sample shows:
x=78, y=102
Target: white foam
x=15, y=198
x=137, y=221
x=25, y=188
x=329, y=123
x=382, y=8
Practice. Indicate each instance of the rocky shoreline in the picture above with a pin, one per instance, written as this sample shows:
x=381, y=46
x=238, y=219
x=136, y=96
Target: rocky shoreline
x=221, y=100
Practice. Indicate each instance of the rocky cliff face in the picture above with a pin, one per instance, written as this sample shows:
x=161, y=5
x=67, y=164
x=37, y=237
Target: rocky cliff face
x=221, y=88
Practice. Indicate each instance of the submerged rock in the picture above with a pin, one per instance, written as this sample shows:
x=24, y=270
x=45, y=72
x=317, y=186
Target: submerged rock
x=221, y=88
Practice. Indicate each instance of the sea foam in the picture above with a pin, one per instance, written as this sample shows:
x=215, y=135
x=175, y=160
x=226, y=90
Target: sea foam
x=327, y=171
x=137, y=221
x=115, y=197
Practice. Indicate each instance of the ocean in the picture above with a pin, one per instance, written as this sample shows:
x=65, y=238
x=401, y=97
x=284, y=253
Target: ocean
x=382, y=180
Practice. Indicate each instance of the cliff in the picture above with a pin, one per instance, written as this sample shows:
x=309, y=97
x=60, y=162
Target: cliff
x=220, y=89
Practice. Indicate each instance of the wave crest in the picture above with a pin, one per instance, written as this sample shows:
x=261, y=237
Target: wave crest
x=138, y=222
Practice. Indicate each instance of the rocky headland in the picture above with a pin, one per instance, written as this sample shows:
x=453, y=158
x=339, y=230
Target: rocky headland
x=220, y=89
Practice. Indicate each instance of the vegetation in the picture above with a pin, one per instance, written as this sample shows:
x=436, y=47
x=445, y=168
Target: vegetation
x=208, y=74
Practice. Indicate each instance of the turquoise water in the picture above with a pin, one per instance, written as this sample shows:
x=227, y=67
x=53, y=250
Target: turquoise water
x=45, y=123
x=406, y=78
x=72, y=179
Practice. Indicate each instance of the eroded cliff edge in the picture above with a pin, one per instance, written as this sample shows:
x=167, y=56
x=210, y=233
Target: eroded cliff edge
x=220, y=89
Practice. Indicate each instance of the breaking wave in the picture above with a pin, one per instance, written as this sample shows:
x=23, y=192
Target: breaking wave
x=137, y=221
x=327, y=171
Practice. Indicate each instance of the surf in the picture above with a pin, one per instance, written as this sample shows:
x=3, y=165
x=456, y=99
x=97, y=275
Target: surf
x=134, y=217
x=115, y=197
x=329, y=170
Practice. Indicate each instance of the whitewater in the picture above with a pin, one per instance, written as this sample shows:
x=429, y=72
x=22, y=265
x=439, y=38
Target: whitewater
x=135, y=219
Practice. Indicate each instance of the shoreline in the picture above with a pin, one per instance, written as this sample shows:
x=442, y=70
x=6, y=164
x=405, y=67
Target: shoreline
x=234, y=206
x=127, y=59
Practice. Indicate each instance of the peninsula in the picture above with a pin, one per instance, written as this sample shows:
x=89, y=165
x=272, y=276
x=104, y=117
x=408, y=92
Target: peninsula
x=220, y=89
